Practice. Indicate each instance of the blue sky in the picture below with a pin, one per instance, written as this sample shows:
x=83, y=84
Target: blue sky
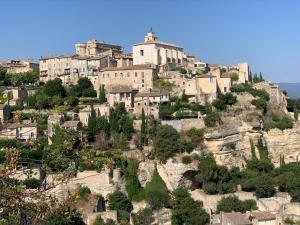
x=264, y=33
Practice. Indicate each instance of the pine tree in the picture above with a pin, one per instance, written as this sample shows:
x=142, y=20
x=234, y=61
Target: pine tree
x=250, y=77
x=92, y=124
x=261, y=77
x=102, y=96
x=143, y=128
x=295, y=113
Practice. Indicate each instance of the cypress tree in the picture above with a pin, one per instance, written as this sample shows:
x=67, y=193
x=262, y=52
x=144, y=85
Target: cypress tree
x=92, y=124
x=250, y=77
x=295, y=113
x=102, y=96
x=261, y=77
x=143, y=128
x=113, y=121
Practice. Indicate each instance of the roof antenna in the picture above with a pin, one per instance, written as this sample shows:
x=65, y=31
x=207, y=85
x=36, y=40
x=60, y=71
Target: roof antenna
x=151, y=30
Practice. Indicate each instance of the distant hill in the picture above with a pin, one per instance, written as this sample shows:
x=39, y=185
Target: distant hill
x=293, y=89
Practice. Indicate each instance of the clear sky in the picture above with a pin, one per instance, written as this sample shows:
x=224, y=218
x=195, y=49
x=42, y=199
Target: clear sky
x=265, y=33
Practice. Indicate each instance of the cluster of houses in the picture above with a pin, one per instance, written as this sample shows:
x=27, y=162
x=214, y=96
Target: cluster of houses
x=129, y=79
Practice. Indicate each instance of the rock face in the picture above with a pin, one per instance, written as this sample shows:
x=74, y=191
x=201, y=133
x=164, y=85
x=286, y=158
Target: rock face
x=230, y=144
x=176, y=174
x=283, y=143
x=145, y=172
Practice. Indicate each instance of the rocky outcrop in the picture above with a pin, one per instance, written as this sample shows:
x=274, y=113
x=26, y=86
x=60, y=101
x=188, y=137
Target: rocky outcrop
x=230, y=144
x=145, y=172
x=176, y=174
x=283, y=143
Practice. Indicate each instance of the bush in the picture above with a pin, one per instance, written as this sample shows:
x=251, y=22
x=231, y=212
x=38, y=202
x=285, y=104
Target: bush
x=234, y=77
x=32, y=183
x=119, y=201
x=196, y=135
x=264, y=187
x=143, y=217
x=211, y=119
x=277, y=119
x=185, y=210
x=238, y=88
x=186, y=159
x=166, y=143
x=84, y=192
x=232, y=203
x=260, y=103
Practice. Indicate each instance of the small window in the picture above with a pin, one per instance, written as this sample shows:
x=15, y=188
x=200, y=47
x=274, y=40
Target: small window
x=141, y=52
x=135, y=74
x=116, y=75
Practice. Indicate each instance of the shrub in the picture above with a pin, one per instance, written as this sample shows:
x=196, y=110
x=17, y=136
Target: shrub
x=32, y=183
x=186, y=159
x=238, y=88
x=185, y=210
x=234, y=77
x=264, y=187
x=119, y=201
x=260, y=103
x=143, y=217
x=232, y=203
x=196, y=135
x=83, y=192
x=166, y=142
x=211, y=119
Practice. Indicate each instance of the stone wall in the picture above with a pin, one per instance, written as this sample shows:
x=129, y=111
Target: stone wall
x=283, y=143
x=184, y=124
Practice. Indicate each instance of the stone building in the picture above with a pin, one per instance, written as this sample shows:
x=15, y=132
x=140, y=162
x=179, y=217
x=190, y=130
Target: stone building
x=153, y=51
x=89, y=58
x=123, y=94
x=100, y=110
x=139, y=77
x=21, y=132
x=15, y=95
x=4, y=113
x=149, y=101
x=20, y=66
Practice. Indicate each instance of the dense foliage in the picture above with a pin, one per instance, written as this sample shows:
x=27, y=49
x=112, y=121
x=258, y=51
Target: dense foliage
x=233, y=204
x=185, y=210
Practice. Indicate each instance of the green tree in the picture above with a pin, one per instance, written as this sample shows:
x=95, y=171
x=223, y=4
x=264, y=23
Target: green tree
x=186, y=210
x=143, y=140
x=64, y=150
x=102, y=96
x=54, y=88
x=264, y=186
x=295, y=113
x=143, y=217
x=211, y=119
x=133, y=186
x=234, y=77
x=250, y=78
x=232, y=203
x=156, y=192
x=196, y=135
x=166, y=142
x=119, y=201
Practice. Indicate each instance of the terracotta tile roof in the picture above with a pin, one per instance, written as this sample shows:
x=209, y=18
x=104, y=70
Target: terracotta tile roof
x=134, y=67
x=159, y=43
x=237, y=218
x=120, y=89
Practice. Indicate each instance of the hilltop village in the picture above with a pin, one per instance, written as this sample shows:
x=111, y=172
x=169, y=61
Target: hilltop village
x=156, y=136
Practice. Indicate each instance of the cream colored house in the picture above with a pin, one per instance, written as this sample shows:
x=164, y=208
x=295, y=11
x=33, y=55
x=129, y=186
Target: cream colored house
x=15, y=95
x=89, y=58
x=20, y=66
x=139, y=77
x=123, y=94
x=149, y=101
x=21, y=132
x=153, y=51
x=101, y=110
